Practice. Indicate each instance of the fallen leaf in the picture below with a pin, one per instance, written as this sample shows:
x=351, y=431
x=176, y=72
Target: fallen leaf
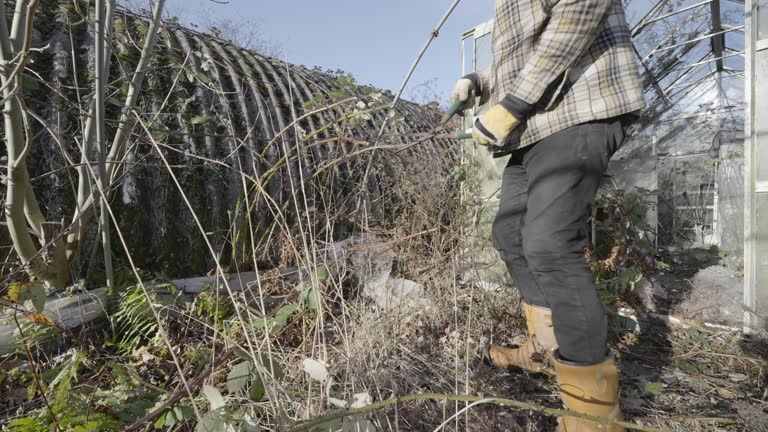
x=360, y=400
x=40, y=318
x=725, y=394
x=214, y=397
x=737, y=377
x=316, y=369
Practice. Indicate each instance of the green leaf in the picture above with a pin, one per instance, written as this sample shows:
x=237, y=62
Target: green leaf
x=37, y=297
x=692, y=332
x=199, y=120
x=130, y=412
x=204, y=78
x=30, y=295
x=285, y=312
x=26, y=424
x=261, y=323
x=214, y=397
x=160, y=422
x=310, y=297
x=30, y=84
x=238, y=376
x=322, y=273
x=272, y=367
x=213, y=421
x=184, y=412
x=115, y=102
x=257, y=388
x=687, y=367
x=170, y=419
x=654, y=387
x=243, y=354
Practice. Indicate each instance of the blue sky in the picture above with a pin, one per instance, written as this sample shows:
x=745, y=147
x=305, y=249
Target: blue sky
x=376, y=41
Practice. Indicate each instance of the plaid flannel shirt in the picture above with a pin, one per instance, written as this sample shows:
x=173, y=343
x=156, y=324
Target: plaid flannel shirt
x=560, y=63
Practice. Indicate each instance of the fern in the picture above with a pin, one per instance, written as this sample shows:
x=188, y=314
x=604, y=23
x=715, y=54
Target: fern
x=70, y=406
x=134, y=322
x=27, y=424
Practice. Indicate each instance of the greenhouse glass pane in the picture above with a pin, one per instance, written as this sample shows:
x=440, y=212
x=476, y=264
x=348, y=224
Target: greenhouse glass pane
x=469, y=54
x=761, y=106
x=484, y=52
x=762, y=19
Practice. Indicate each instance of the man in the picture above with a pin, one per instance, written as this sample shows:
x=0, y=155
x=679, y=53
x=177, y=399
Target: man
x=562, y=88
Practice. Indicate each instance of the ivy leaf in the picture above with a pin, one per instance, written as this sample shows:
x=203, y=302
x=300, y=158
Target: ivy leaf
x=238, y=376
x=214, y=397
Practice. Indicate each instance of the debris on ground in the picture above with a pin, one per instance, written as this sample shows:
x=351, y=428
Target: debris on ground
x=716, y=296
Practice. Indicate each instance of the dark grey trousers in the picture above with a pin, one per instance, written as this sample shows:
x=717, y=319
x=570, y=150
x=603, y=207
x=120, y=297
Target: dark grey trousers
x=540, y=230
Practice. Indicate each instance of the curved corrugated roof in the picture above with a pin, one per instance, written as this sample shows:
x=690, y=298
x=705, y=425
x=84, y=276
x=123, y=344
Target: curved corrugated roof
x=218, y=110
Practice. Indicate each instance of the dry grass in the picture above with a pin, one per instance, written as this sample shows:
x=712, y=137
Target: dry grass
x=671, y=378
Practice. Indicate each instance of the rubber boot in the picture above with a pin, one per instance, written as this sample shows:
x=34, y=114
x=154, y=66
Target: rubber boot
x=589, y=389
x=535, y=354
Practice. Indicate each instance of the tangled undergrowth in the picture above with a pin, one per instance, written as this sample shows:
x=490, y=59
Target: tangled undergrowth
x=358, y=317
x=306, y=342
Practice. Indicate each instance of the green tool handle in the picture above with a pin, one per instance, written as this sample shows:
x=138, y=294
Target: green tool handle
x=467, y=134
x=454, y=109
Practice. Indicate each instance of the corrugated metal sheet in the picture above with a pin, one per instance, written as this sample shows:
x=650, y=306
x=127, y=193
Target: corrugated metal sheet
x=216, y=109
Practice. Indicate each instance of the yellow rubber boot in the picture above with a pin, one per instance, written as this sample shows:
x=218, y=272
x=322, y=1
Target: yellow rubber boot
x=591, y=390
x=535, y=354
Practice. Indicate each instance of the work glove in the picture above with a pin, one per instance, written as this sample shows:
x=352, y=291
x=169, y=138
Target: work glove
x=493, y=127
x=464, y=91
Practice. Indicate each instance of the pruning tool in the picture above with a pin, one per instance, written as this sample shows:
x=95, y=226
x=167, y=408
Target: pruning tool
x=452, y=111
x=439, y=131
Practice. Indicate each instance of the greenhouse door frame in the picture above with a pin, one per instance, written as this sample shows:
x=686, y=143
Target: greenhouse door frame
x=756, y=178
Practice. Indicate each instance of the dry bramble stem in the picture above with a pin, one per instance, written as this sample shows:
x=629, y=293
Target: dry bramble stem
x=308, y=425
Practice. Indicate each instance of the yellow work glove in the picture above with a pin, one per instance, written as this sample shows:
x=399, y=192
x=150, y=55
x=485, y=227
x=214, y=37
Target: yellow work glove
x=494, y=126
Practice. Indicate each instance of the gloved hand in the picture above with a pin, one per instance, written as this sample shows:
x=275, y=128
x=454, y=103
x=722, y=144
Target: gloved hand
x=494, y=126
x=464, y=91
